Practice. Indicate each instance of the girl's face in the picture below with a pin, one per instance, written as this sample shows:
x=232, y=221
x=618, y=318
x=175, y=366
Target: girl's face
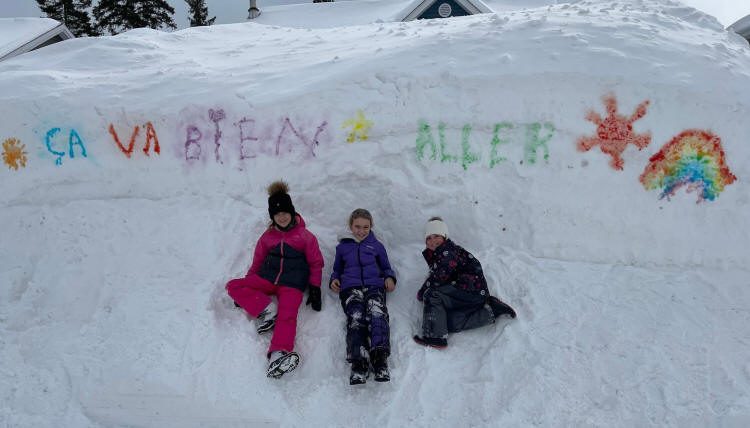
x=360, y=228
x=282, y=219
x=434, y=241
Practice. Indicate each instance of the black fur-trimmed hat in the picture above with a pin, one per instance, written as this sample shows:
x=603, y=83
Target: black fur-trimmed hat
x=279, y=199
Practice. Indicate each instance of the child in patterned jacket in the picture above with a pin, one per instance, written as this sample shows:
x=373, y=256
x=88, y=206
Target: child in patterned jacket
x=455, y=294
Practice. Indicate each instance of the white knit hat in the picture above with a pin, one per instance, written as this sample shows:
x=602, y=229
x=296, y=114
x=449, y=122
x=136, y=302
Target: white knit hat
x=436, y=227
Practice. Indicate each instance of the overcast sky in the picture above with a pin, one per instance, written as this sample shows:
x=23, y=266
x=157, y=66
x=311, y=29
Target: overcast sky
x=227, y=11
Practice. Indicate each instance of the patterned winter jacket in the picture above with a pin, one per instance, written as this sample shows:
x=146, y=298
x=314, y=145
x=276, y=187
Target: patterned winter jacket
x=362, y=263
x=451, y=264
x=290, y=258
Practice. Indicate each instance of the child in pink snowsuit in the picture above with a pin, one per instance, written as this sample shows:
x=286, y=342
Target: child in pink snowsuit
x=286, y=262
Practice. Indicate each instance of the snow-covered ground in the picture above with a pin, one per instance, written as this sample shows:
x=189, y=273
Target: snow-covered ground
x=633, y=310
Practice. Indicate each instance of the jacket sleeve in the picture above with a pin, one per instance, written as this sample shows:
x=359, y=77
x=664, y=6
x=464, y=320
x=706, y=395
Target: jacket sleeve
x=338, y=265
x=261, y=251
x=314, y=259
x=384, y=264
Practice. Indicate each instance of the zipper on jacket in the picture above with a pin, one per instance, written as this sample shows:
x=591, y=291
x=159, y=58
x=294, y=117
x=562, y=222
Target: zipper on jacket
x=281, y=263
x=361, y=268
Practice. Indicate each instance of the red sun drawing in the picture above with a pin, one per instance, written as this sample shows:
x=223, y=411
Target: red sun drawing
x=615, y=132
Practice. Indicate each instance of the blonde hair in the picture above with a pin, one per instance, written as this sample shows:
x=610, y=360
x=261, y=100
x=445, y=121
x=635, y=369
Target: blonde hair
x=360, y=213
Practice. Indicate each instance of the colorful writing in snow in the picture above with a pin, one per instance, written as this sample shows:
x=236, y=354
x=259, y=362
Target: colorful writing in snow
x=248, y=141
x=693, y=160
x=534, y=137
x=51, y=141
x=615, y=132
x=217, y=116
x=14, y=153
x=150, y=138
x=360, y=128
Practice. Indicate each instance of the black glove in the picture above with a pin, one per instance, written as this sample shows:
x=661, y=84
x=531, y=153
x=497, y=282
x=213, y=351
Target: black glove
x=313, y=298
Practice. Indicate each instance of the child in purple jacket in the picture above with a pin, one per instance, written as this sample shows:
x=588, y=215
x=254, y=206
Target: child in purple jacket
x=361, y=275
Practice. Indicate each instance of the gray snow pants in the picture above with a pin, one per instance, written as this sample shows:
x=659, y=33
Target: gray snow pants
x=448, y=309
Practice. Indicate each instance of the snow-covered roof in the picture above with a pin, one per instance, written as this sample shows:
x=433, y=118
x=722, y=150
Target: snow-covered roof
x=20, y=35
x=345, y=13
x=742, y=27
x=418, y=7
x=330, y=14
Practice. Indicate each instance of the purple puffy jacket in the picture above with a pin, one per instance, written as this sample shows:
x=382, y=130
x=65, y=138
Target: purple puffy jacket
x=362, y=263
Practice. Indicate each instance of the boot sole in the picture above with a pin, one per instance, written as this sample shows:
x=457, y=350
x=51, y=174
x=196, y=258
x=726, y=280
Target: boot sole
x=283, y=365
x=381, y=375
x=505, y=310
x=265, y=328
x=429, y=345
x=357, y=381
x=359, y=378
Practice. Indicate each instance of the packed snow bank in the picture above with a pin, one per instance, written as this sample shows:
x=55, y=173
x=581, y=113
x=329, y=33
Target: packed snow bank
x=134, y=189
x=509, y=95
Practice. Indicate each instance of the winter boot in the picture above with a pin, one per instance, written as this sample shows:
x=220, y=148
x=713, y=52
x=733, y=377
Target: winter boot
x=432, y=342
x=281, y=362
x=360, y=372
x=499, y=308
x=380, y=366
x=267, y=319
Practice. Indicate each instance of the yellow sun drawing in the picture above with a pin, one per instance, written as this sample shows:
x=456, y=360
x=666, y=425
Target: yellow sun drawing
x=13, y=153
x=360, y=127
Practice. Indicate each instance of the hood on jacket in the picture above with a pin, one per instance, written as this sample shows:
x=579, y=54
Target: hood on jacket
x=347, y=234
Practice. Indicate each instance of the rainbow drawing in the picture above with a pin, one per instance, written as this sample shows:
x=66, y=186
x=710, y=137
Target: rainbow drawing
x=694, y=159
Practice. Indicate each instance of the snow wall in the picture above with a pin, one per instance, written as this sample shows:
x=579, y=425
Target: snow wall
x=136, y=166
x=483, y=116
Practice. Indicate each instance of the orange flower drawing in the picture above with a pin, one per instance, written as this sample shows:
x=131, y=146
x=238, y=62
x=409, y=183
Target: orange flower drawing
x=14, y=153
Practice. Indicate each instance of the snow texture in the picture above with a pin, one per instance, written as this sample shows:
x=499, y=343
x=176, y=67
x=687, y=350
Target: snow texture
x=632, y=310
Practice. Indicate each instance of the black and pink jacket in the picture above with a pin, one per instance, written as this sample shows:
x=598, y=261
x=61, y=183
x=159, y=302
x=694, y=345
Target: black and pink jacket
x=290, y=258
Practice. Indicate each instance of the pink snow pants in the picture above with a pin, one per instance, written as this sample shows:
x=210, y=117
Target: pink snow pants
x=253, y=294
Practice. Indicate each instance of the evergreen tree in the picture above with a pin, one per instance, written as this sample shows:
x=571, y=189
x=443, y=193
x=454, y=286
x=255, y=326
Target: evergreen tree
x=116, y=16
x=198, y=14
x=73, y=13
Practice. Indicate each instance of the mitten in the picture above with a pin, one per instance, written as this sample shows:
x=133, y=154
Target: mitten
x=313, y=298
